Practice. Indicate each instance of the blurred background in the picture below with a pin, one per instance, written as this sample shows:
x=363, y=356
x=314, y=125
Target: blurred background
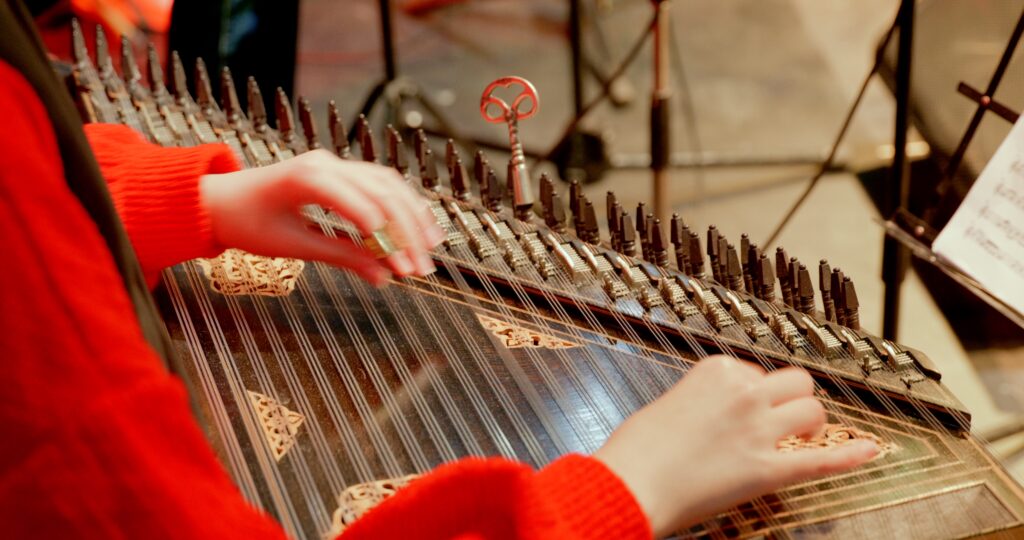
x=760, y=89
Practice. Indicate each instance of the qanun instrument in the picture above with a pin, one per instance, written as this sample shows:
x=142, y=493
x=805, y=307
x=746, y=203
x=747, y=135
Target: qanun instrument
x=536, y=337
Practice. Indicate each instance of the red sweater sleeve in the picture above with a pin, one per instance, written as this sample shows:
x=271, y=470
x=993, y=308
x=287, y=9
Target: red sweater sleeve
x=574, y=498
x=100, y=439
x=156, y=193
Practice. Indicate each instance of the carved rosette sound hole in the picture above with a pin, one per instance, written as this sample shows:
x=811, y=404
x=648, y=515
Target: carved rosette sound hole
x=836, y=435
x=235, y=273
x=280, y=424
x=515, y=337
x=360, y=498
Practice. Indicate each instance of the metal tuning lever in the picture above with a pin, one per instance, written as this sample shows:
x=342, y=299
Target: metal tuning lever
x=519, y=176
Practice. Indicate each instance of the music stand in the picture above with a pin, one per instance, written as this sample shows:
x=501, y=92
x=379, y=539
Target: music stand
x=896, y=256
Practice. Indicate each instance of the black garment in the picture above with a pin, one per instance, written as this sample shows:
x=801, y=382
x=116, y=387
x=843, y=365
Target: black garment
x=252, y=37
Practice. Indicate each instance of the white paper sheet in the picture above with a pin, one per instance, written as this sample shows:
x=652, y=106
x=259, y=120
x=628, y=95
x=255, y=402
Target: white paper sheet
x=985, y=237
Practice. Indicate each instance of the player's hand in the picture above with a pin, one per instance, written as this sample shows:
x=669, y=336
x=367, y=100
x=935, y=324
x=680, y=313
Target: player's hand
x=258, y=210
x=709, y=443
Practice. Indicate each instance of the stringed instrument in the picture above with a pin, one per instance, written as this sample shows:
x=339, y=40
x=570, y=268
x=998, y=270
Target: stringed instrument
x=323, y=395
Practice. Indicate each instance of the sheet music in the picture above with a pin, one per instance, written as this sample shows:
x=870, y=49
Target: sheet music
x=985, y=237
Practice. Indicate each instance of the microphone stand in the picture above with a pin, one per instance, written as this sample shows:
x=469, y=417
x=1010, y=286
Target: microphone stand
x=660, y=117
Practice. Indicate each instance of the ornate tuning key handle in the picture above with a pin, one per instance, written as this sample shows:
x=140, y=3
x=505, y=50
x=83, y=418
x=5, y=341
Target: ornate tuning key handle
x=519, y=175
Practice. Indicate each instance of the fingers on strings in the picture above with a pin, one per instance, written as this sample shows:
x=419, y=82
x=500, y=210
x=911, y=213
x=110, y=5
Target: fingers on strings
x=376, y=200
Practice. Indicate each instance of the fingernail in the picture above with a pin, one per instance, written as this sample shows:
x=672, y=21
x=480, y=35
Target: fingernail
x=379, y=278
x=437, y=235
x=426, y=265
x=868, y=447
x=403, y=266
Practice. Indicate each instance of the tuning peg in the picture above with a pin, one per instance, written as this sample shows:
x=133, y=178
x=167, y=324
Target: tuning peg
x=733, y=269
x=679, y=238
x=794, y=281
x=712, y=248
x=615, y=222
x=129, y=68
x=836, y=286
x=753, y=255
x=547, y=188
x=547, y=199
x=557, y=218
x=509, y=188
x=723, y=260
x=494, y=192
x=451, y=154
x=825, y=287
x=582, y=231
x=659, y=249
x=364, y=135
x=336, y=128
x=308, y=124
x=79, y=52
x=806, y=291
x=154, y=72
x=782, y=270
x=419, y=143
x=204, y=92
x=460, y=185
x=428, y=171
x=480, y=167
x=641, y=229
x=179, y=86
x=396, y=152
x=575, y=191
x=590, y=227
x=648, y=227
x=767, y=278
x=283, y=113
x=610, y=205
x=628, y=234
x=674, y=227
x=229, y=97
x=257, y=109
x=744, y=252
x=103, y=61
x=850, y=304
x=696, y=256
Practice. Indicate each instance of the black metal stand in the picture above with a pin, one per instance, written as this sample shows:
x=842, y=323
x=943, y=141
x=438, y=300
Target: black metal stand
x=895, y=256
x=395, y=90
x=583, y=156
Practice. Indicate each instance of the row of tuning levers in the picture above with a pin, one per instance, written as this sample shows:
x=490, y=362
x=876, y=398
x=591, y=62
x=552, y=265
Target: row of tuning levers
x=732, y=288
x=715, y=287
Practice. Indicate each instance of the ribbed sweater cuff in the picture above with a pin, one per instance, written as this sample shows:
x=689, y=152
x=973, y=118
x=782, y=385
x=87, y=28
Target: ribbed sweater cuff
x=156, y=192
x=594, y=503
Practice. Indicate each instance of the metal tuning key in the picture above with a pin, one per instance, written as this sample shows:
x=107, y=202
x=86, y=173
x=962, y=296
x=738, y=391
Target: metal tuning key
x=825, y=288
x=257, y=109
x=459, y=181
x=627, y=235
x=395, y=150
x=336, y=128
x=519, y=178
x=364, y=136
x=308, y=124
x=428, y=171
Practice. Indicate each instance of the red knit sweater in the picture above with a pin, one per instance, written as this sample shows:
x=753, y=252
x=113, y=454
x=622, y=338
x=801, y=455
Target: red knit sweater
x=99, y=441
